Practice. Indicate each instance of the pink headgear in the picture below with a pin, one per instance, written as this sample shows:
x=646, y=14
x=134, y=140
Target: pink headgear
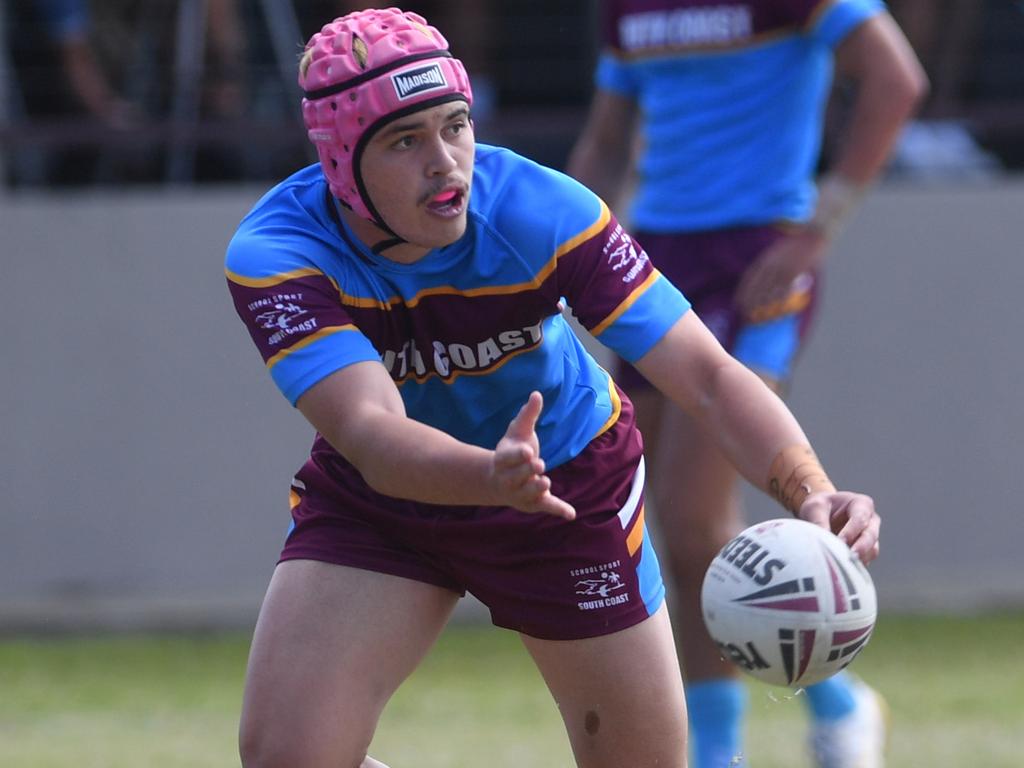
x=362, y=71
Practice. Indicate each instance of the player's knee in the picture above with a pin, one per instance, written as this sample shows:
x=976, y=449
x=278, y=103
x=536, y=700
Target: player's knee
x=598, y=743
x=257, y=751
x=262, y=746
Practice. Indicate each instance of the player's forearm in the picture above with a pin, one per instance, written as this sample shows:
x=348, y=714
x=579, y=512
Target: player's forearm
x=400, y=457
x=891, y=85
x=753, y=424
x=359, y=411
x=880, y=111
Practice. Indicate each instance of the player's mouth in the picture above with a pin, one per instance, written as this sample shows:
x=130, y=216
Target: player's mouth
x=448, y=203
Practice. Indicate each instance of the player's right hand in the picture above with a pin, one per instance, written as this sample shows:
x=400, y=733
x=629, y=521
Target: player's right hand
x=774, y=274
x=518, y=470
x=850, y=516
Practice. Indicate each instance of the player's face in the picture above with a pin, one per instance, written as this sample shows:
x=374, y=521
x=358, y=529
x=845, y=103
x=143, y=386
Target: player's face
x=417, y=171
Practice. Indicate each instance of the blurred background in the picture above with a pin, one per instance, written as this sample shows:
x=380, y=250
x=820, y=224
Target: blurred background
x=145, y=455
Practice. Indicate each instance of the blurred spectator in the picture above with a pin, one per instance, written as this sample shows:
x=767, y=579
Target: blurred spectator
x=195, y=77
x=224, y=95
x=57, y=76
x=943, y=33
x=940, y=142
x=186, y=61
x=222, y=92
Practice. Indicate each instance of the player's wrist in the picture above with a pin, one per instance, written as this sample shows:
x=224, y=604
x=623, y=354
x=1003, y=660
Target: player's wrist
x=838, y=197
x=795, y=474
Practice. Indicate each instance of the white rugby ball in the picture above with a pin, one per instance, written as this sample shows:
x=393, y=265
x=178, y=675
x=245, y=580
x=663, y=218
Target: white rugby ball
x=788, y=602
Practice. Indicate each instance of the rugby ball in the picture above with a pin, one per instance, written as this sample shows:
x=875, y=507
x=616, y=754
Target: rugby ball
x=788, y=602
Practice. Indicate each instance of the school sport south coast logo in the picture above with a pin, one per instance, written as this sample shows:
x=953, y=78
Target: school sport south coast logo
x=283, y=316
x=599, y=586
x=624, y=255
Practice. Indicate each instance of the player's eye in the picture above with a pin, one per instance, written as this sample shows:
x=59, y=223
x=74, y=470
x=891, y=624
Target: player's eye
x=404, y=142
x=457, y=127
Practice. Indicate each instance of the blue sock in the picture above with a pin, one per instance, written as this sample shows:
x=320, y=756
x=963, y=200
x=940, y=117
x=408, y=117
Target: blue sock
x=716, y=709
x=831, y=699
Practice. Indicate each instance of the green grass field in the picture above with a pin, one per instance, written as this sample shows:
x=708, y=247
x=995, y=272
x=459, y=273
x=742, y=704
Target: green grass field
x=955, y=688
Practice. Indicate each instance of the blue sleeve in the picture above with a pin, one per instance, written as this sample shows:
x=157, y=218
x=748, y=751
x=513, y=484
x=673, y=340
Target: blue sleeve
x=291, y=310
x=614, y=290
x=840, y=18
x=657, y=308
x=613, y=74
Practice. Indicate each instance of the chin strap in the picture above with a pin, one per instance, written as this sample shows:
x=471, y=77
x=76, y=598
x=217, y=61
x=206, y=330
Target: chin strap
x=390, y=242
x=383, y=245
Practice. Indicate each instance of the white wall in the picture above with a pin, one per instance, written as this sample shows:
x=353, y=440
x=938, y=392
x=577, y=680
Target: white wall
x=912, y=388
x=145, y=454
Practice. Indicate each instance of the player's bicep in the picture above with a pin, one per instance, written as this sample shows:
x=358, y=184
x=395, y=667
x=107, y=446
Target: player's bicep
x=349, y=406
x=876, y=45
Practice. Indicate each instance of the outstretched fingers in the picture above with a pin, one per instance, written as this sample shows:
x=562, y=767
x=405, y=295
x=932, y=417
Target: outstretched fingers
x=545, y=502
x=519, y=469
x=518, y=459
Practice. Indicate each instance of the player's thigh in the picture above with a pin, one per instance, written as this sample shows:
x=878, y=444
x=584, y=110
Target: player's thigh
x=620, y=695
x=331, y=645
x=694, y=480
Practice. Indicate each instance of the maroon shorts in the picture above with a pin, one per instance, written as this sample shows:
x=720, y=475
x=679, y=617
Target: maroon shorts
x=707, y=267
x=543, y=576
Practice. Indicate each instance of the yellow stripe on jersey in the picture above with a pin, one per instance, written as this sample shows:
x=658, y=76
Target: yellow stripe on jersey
x=795, y=302
x=626, y=304
x=613, y=393
x=272, y=280
x=604, y=216
x=817, y=13
x=636, y=536
x=602, y=221
x=313, y=337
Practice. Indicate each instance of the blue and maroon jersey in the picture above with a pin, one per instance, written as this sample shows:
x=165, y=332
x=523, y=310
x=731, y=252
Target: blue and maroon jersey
x=470, y=329
x=732, y=96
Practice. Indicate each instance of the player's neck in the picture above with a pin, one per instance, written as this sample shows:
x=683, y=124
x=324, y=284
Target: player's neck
x=382, y=242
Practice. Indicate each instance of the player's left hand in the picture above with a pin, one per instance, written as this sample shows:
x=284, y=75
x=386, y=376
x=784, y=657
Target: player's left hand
x=773, y=275
x=518, y=470
x=851, y=516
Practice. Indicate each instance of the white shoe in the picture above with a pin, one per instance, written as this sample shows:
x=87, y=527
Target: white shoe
x=854, y=741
